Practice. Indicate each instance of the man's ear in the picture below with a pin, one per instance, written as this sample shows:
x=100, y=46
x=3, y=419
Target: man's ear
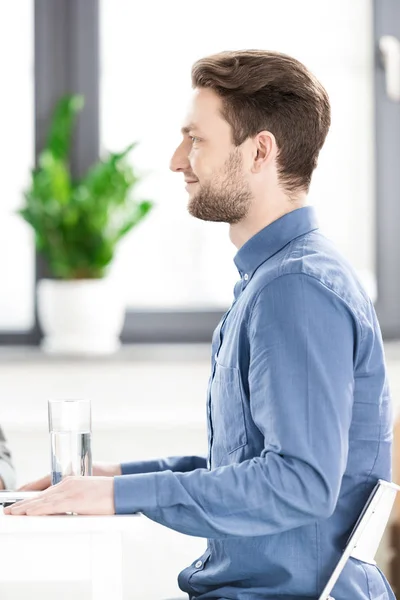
x=265, y=146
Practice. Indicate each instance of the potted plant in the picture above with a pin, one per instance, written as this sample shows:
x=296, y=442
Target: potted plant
x=77, y=227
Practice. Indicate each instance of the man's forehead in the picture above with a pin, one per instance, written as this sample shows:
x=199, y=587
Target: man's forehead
x=204, y=110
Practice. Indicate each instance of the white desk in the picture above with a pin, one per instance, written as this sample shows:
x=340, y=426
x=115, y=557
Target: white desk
x=66, y=549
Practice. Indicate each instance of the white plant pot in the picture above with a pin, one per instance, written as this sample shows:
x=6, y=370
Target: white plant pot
x=83, y=317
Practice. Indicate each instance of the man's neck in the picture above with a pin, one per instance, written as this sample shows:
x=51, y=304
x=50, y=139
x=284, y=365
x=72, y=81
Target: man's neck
x=240, y=233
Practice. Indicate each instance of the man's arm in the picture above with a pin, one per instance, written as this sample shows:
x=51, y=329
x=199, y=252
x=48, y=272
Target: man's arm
x=302, y=344
x=7, y=472
x=105, y=469
x=183, y=464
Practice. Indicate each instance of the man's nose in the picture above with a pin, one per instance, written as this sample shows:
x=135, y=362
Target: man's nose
x=179, y=161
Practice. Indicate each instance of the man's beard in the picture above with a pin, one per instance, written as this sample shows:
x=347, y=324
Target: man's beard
x=226, y=198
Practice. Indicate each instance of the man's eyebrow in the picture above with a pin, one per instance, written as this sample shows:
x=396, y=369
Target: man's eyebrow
x=188, y=128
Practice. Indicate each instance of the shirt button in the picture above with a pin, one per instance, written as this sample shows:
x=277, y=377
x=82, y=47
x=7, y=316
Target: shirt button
x=198, y=564
x=245, y=277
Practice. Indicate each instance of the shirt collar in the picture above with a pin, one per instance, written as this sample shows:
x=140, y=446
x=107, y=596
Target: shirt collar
x=273, y=238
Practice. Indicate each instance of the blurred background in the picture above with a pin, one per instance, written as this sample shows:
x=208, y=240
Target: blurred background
x=123, y=314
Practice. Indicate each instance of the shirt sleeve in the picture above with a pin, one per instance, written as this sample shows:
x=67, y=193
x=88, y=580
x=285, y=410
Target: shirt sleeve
x=302, y=345
x=183, y=464
x=7, y=471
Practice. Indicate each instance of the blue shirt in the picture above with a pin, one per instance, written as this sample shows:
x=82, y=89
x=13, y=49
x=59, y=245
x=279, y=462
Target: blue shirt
x=299, y=429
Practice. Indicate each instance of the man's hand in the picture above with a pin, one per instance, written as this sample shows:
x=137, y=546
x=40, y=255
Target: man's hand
x=80, y=495
x=99, y=470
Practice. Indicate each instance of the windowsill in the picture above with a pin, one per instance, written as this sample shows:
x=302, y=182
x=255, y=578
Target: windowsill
x=392, y=350
x=149, y=353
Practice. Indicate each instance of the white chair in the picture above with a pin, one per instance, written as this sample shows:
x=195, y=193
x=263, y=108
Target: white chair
x=367, y=532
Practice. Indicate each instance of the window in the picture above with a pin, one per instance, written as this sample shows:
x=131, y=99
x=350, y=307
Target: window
x=16, y=157
x=178, y=272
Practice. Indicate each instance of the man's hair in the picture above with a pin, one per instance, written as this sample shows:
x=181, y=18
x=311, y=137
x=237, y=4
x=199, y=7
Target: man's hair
x=262, y=90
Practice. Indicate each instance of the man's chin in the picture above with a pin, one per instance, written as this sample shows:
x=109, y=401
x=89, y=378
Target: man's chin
x=198, y=214
x=199, y=209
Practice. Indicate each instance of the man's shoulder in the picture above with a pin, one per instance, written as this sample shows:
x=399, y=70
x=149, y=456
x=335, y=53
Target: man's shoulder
x=315, y=258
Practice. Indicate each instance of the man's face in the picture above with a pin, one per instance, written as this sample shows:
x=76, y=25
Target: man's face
x=211, y=164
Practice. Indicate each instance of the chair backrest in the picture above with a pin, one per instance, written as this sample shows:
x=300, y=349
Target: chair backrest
x=367, y=532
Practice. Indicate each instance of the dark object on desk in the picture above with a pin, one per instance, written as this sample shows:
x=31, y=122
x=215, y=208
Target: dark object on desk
x=8, y=497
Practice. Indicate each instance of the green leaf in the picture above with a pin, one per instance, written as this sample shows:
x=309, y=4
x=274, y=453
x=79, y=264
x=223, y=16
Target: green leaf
x=141, y=211
x=64, y=116
x=79, y=225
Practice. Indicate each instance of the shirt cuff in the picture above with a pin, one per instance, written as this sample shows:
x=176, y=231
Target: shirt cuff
x=135, y=493
x=7, y=474
x=133, y=468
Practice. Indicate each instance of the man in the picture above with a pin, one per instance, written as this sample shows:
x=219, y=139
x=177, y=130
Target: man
x=299, y=415
x=7, y=472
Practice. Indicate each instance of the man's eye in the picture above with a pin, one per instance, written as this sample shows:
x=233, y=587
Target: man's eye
x=194, y=139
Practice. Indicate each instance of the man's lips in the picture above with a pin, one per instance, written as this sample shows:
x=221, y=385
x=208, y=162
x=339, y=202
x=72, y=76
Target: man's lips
x=190, y=182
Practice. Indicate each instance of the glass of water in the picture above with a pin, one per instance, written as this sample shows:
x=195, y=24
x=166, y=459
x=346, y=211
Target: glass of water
x=70, y=426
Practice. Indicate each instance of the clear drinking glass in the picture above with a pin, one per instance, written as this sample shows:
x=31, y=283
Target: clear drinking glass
x=70, y=426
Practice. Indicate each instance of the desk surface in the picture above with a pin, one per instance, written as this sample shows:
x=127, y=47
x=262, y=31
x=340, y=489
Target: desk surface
x=68, y=524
